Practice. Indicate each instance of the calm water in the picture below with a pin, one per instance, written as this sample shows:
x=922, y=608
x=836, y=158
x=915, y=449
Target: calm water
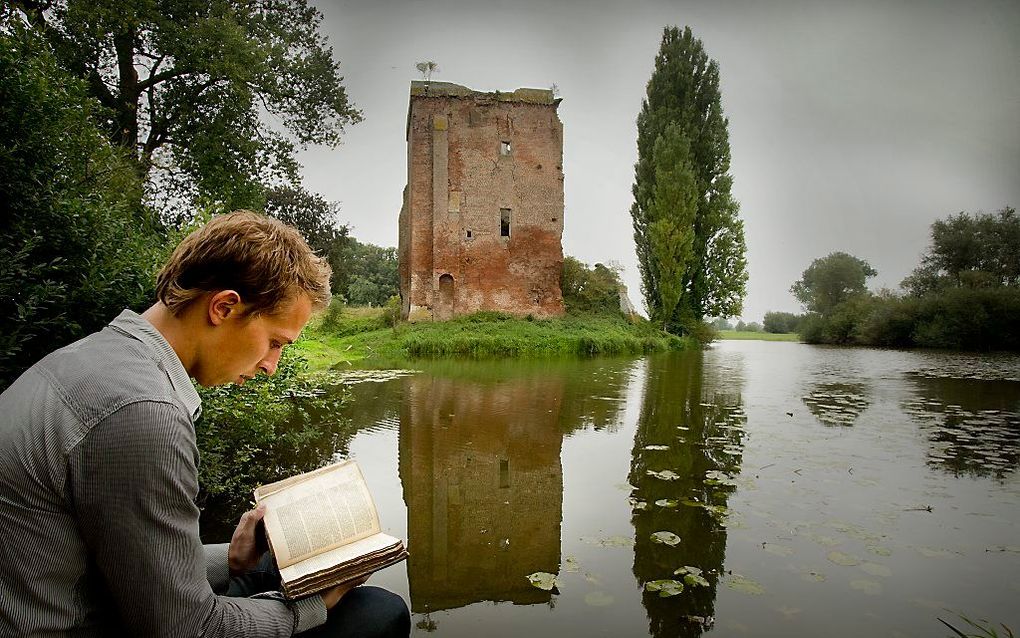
x=820, y=491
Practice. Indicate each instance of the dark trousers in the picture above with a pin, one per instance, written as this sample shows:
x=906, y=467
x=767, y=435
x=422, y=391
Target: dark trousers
x=363, y=612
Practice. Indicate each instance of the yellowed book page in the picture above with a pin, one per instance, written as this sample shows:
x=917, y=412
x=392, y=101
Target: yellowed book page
x=263, y=491
x=315, y=515
x=336, y=556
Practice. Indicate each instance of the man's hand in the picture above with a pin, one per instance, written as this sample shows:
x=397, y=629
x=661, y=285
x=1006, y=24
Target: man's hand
x=331, y=596
x=244, y=553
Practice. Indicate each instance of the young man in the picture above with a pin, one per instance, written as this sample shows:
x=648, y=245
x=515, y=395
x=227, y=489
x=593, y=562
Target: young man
x=98, y=461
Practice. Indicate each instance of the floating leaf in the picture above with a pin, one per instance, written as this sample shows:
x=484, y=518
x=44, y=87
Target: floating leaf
x=879, y=550
x=813, y=576
x=778, y=550
x=543, y=580
x=846, y=560
x=867, y=586
x=666, y=502
x=571, y=565
x=665, y=475
x=695, y=579
x=598, y=599
x=876, y=570
x=666, y=588
x=639, y=505
x=666, y=538
x=744, y=584
x=656, y=447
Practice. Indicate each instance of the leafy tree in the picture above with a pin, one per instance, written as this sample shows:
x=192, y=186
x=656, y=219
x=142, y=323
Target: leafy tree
x=75, y=247
x=781, y=322
x=374, y=275
x=721, y=323
x=683, y=93
x=976, y=251
x=594, y=290
x=671, y=217
x=186, y=87
x=318, y=221
x=831, y=280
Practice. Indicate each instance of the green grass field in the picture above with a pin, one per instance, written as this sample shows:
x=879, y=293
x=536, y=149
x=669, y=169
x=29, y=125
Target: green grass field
x=759, y=336
x=350, y=335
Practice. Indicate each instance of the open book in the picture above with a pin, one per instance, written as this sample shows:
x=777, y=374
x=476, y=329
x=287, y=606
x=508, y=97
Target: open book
x=324, y=530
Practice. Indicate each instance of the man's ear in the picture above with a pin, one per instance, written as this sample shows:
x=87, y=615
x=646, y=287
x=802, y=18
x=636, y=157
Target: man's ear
x=224, y=304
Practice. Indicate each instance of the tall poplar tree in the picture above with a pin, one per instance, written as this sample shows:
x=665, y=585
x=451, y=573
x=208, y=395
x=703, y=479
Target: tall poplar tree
x=695, y=256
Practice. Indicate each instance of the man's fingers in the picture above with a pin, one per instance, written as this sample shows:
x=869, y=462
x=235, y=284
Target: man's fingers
x=251, y=518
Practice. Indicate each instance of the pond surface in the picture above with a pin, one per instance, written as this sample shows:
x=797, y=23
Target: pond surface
x=816, y=491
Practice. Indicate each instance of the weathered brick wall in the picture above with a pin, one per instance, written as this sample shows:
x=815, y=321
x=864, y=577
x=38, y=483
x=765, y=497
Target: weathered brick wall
x=453, y=258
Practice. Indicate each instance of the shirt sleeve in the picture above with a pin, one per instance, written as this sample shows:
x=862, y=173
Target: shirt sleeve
x=133, y=480
x=217, y=565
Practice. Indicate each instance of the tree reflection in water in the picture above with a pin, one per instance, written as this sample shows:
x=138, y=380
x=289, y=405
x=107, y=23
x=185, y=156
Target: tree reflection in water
x=692, y=424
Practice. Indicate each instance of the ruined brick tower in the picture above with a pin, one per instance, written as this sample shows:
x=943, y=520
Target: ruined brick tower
x=482, y=216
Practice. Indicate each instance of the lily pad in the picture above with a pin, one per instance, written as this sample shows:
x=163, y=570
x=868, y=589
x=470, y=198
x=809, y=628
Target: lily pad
x=778, y=550
x=744, y=584
x=692, y=576
x=878, y=550
x=666, y=502
x=571, y=565
x=666, y=588
x=543, y=580
x=666, y=538
x=665, y=475
x=846, y=560
x=876, y=570
x=869, y=587
x=598, y=599
x=812, y=576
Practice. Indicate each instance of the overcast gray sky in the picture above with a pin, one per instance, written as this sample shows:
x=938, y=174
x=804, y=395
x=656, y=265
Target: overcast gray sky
x=853, y=125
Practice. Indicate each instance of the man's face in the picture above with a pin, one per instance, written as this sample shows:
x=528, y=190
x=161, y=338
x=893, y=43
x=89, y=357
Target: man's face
x=243, y=346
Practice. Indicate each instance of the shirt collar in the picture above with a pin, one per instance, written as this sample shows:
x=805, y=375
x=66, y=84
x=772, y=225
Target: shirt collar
x=136, y=326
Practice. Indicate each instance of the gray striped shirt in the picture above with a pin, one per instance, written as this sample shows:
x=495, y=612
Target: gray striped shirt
x=98, y=480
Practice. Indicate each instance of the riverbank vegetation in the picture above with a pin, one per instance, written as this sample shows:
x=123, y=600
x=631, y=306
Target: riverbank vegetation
x=965, y=294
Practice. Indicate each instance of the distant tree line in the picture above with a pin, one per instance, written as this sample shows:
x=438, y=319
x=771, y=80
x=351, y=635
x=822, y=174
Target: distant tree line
x=965, y=294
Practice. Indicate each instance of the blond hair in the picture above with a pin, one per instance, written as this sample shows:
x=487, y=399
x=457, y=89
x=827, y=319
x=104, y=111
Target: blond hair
x=264, y=260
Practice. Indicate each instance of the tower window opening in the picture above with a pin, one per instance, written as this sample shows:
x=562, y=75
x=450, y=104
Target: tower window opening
x=504, y=222
x=504, y=148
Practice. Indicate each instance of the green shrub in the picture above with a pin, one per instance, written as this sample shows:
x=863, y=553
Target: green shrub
x=257, y=433
x=75, y=246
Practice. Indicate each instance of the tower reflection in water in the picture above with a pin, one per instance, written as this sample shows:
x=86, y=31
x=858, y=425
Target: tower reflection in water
x=481, y=473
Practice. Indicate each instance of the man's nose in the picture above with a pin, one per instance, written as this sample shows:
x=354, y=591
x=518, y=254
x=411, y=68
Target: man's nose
x=268, y=365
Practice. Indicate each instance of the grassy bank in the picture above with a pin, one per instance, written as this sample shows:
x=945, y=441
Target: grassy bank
x=361, y=334
x=759, y=336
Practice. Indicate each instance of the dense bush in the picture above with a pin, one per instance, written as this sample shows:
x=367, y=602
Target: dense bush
x=781, y=322
x=75, y=248
x=267, y=429
x=953, y=318
x=594, y=290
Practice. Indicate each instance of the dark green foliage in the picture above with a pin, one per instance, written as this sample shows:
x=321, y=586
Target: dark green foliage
x=721, y=323
x=953, y=318
x=683, y=142
x=187, y=86
x=781, y=322
x=265, y=430
x=979, y=251
x=587, y=290
x=373, y=274
x=75, y=246
x=831, y=280
x=319, y=223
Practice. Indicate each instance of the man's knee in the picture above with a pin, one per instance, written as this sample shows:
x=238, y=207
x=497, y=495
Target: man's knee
x=372, y=612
